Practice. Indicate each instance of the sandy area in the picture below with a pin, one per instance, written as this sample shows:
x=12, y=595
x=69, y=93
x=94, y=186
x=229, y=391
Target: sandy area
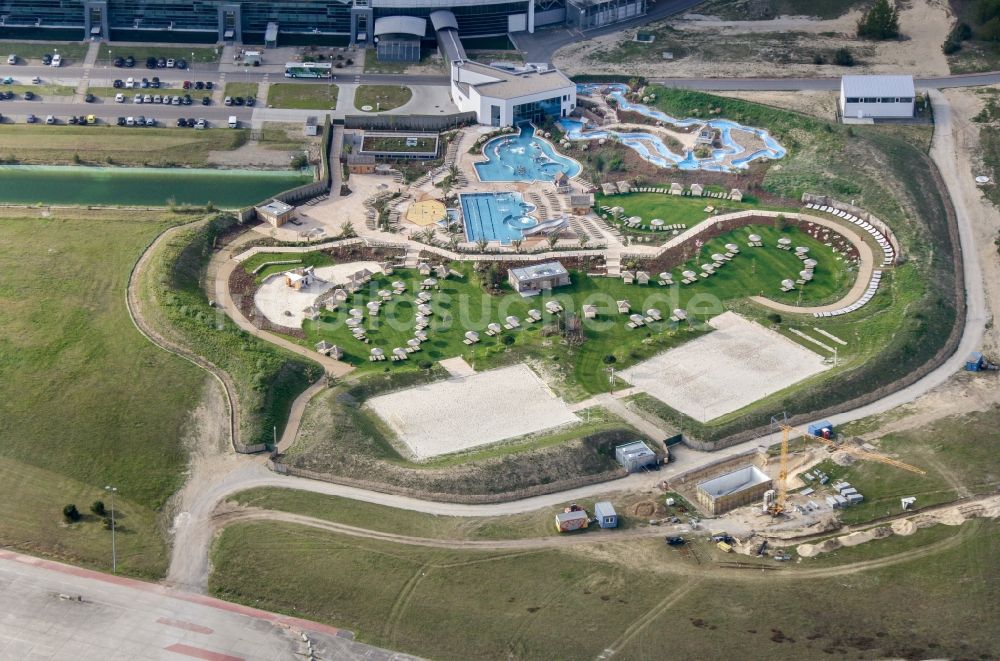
x=283, y=305
x=923, y=23
x=725, y=370
x=461, y=413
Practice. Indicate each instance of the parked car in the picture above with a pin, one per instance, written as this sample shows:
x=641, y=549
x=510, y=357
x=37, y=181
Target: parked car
x=119, y=62
x=12, y=59
x=129, y=62
x=90, y=98
x=209, y=85
x=150, y=62
x=176, y=101
x=130, y=121
x=201, y=124
x=186, y=84
x=238, y=100
x=29, y=95
x=118, y=84
x=46, y=59
x=251, y=101
x=162, y=63
x=119, y=98
x=147, y=99
x=228, y=101
x=157, y=99
x=129, y=83
x=186, y=100
x=50, y=119
x=206, y=100
x=181, y=63
x=91, y=119
x=121, y=121
x=150, y=121
x=7, y=80
x=171, y=63
x=199, y=85
x=144, y=84
x=56, y=60
x=191, y=122
x=140, y=120
x=31, y=119
x=137, y=98
x=71, y=120
x=675, y=540
x=181, y=122
x=155, y=82
x=81, y=120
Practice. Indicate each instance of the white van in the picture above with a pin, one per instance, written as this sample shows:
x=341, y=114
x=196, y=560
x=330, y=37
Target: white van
x=12, y=59
x=57, y=60
x=119, y=98
x=130, y=121
x=129, y=83
x=233, y=122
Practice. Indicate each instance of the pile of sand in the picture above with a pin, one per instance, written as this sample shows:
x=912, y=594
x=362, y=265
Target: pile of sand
x=904, y=527
x=841, y=458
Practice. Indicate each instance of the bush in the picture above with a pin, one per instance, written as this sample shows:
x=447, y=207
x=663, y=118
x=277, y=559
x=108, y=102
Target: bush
x=819, y=59
x=97, y=508
x=507, y=340
x=953, y=43
x=843, y=57
x=299, y=161
x=774, y=318
x=610, y=359
x=880, y=22
x=70, y=513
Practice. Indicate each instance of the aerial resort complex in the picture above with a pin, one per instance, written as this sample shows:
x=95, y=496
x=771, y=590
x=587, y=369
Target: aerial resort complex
x=518, y=329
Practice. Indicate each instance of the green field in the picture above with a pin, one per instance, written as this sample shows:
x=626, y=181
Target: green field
x=382, y=97
x=302, y=96
x=72, y=52
x=637, y=598
x=463, y=305
x=40, y=91
x=241, y=89
x=113, y=145
x=672, y=209
x=267, y=379
x=72, y=422
x=140, y=53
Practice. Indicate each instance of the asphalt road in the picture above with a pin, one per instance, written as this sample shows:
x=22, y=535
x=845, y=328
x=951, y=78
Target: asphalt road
x=53, y=611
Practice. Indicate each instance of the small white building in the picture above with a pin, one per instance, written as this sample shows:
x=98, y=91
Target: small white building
x=874, y=97
x=505, y=98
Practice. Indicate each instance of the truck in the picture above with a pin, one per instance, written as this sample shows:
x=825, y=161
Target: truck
x=233, y=122
x=725, y=548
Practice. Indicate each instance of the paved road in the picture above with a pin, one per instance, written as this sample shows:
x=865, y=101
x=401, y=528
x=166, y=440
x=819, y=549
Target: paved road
x=123, y=619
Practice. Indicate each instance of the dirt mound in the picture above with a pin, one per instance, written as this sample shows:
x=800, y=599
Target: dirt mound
x=644, y=510
x=842, y=459
x=904, y=527
x=952, y=517
x=810, y=550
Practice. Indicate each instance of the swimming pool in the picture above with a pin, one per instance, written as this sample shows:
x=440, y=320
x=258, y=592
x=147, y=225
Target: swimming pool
x=660, y=154
x=499, y=217
x=523, y=157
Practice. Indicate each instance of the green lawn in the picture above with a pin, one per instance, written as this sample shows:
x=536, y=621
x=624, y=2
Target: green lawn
x=462, y=305
x=382, y=97
x=241, y=89
x=267, y=379
x=72, y=52
x=637, y=598
x=103, y=145
x=72, y=422
x=672, y=209
x=201, y=54
x=41, y=91
x=304, y=96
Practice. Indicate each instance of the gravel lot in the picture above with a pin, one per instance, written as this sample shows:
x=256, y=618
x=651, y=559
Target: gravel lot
x=737, y=364
x=466, y=412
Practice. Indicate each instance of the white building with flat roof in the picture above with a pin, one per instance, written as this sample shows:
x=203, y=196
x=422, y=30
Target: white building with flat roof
x=875, y=97
x=505, y=98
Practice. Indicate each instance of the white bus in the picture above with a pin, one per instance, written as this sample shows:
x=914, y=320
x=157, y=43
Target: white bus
x=308, y=70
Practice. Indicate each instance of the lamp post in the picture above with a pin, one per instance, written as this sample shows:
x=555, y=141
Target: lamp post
x=114, y=549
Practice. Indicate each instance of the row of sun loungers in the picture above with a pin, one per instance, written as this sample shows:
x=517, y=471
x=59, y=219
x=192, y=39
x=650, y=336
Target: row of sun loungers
x=869, y=293
x=889, y=254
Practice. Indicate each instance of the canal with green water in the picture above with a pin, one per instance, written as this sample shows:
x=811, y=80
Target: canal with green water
x=79, y=185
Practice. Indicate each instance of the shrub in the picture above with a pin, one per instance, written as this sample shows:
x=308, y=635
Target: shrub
x=425, y=365
x=507, y=340
x=774, y=318
x=880, y=22
x=299, y=161
x=610, y=359
x=843, y=57
x=97, y=508
x=70, y=513
x=819, y=59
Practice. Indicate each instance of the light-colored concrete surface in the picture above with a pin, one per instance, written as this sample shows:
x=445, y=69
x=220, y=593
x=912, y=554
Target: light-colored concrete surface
x=55, y=612
x=732, y=367
x=467, y=412
x=283, y=306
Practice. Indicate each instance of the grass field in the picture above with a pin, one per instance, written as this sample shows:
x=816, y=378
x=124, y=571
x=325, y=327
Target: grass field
x=72, y=53
x=200, y=54
x=242, y=89
x=267, y=379
x=636, y=599
x=302, y=96
x=382, y=97
x=113, y=145
x=40, y=90
x=72, y=422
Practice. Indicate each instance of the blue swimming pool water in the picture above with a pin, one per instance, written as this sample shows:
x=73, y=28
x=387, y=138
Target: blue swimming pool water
x=496, y=216
x=662, y=156
x=523, y=157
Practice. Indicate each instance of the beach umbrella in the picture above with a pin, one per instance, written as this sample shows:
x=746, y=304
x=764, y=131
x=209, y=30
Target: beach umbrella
x=718, y=257
x=754, y=237
x=424, y=309
x=784, y=241
x=512, y=320
x=472, y=335
x=787, y=283
x=384, y=293
x=353, y=322
x=356, y=312
x=656, y=222
x=372, y=306
x=801, y=250
x=707, y=267
x=665, y=276
x=413, y=342
x=421, y=335
x=652, y=312
x=637, y=318
x=495, y=327
x=680, y=314
x=806, y=275
x=398, y=284
x=377, y=352
x=810, y=263
x=429, y=282
x=689, y=274
x=731, y=247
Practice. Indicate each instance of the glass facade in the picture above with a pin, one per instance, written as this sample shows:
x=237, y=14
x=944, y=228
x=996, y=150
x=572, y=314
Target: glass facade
x=537, y=111
x=293, y=16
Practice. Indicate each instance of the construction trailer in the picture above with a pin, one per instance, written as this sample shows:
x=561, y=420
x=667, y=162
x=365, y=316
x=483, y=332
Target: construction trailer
x=821, y=429
x=572, y=520
x=635, y=456
x=606, y=515
x=734, y=489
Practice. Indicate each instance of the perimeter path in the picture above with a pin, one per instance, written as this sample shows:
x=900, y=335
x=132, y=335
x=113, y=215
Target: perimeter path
x=56, y=611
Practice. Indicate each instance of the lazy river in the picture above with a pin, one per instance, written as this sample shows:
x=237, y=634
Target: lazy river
x=731, y=155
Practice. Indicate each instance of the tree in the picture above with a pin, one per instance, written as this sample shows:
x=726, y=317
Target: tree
x=346, y=230
x=70, y=513
x=774, y=318
x=481, y=245
x=425, y=365
x=880, y=22
x=516, y=244
x=552, y=239
x=98, y=508
x=507, y=340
